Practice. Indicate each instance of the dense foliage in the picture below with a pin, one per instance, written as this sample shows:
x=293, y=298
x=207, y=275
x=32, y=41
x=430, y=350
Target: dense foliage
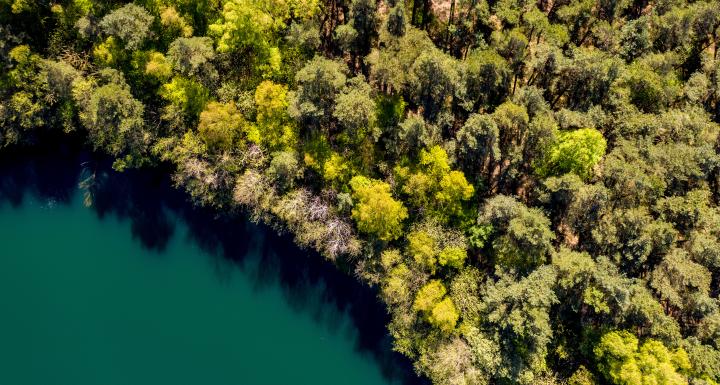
x=533, y=185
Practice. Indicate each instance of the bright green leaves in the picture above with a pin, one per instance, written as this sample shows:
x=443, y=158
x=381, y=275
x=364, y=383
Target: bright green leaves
x=430, y=245
x=376, y=212
x=452, y=256
x=575, y=151
x=624, y=361
x=423, y=249
x=435, y=162
x=158, y=67
x=253, y=26
x=109, y=53
x=396, y=284
x=186, y=95
x=19, y=6
x=429, y=296
x=316, y=118
x=336, y=169
x=454, y=189
x=25, y=108
x=25, y=63
x=444, y=315
x=434, y=187
x=439, y=309
x=244, y=24
x=221, y=126
x=277, y=130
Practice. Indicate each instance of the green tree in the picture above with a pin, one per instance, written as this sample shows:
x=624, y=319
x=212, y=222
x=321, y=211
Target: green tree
x=682, y=284
x=113, y=118
x=439, y=309
x=158, y=67
x=487, y=78
x=647, y=89
x=396, y=20
x=623, y=361
x=522, y=238
x=253, y=27
x=452, y=256
x=423, y=248
x=576, y=151
x=245, y=25
x=412, y=135
x=477, y=143
x=24, y=85
x=222, y=126
x=318, y=84
x=275, y=126
x=356, y=112
x=193, y=57
x=130, y=23
x=430, y=244
x=633, y=238
x=285, y=169
x=435, y=187
x=519, y=312
x=429, y=295
x=364, y=21
x=435, y=80
x=185, y=95
x=173, y=23
x=376, y=212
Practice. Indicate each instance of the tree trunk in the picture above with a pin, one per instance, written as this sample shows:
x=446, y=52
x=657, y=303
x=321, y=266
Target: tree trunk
x=413, y=18
x=451, y=20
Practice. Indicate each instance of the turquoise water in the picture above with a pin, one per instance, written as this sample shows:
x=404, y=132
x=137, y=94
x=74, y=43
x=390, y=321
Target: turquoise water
x=136, y=290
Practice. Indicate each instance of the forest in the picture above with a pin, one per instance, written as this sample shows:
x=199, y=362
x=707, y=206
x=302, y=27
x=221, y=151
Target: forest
x=531, y=186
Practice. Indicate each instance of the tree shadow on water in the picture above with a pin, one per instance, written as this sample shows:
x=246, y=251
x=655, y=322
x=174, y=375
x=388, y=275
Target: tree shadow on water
x=137, y=196
x=147, y=200
x=48, y=173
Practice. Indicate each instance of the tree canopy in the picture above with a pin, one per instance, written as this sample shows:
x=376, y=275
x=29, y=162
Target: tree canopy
x=532, y=186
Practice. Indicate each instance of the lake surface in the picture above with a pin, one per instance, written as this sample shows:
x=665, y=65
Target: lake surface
x=140, y=288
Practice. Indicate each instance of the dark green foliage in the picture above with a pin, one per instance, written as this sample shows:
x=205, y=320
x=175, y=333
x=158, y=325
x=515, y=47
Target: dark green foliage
x=477, y=142
x=487, y=78
x=193, y=57
x=521, y=235
x=318, y=83
x=131, y=24
x=396, y=19
x=113, y=118
x=518, y=311
x=365, y=23
x=435, y=81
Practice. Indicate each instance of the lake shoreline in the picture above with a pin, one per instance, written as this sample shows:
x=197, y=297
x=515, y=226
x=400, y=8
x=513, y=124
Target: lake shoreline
x=141, y=196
